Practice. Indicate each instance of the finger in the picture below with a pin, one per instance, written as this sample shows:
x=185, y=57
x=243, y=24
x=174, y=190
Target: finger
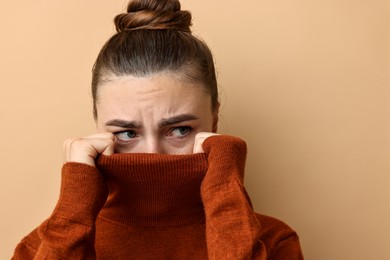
x=66, y=148
x=104, y=135
x=199, y=140
x=102, y=147
x=109, y=150
x=94, y=146
x=85, y=150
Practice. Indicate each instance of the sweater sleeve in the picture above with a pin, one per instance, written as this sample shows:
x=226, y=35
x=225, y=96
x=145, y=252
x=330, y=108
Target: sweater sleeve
x=232, y=228
x=288, y=249
x=69, y=233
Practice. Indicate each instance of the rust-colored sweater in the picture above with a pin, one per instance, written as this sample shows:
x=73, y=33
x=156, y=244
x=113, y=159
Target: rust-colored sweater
x=155, y=206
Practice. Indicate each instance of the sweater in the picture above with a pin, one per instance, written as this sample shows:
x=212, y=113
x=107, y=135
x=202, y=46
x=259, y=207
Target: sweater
x=159, y=206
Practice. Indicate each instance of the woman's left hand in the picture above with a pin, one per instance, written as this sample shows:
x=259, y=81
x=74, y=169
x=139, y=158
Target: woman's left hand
x=199, y=140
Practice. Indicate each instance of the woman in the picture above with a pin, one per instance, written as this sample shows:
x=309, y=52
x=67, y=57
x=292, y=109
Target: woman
x=155, y=181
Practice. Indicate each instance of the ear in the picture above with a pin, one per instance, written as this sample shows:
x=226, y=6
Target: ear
x=215, y=118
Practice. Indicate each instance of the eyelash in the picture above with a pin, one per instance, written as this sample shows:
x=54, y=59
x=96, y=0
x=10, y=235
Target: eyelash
x=119, y=140
x=188, y=128
x=122, y=141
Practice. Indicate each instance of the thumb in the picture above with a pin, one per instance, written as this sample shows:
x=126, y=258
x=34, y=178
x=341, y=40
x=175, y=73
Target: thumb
x=199, y=140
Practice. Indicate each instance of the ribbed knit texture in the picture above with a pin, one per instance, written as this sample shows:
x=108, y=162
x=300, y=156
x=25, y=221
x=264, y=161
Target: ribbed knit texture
x=160, y=207
x=154, y=190
x=90, y=200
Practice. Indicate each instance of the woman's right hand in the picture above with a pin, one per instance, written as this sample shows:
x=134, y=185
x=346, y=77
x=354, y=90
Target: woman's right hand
x=86, y=149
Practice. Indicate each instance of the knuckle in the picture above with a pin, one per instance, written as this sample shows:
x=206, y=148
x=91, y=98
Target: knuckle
x=67, y=142
x=110, y=142
x=78, y=143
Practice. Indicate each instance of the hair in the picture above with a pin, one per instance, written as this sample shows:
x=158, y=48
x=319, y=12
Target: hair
x=154, y=36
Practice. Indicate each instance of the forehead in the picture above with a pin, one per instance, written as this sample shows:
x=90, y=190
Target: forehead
x=163, y=93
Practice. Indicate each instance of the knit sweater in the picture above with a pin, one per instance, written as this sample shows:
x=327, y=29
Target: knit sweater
x=158, y=206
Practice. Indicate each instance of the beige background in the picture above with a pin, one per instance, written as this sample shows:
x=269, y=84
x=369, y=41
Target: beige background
x=305, y=83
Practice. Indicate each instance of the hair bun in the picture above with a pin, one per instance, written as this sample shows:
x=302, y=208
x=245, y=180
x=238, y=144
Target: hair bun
x=153, y=15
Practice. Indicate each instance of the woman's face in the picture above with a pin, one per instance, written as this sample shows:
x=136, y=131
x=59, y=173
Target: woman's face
x=157, y=114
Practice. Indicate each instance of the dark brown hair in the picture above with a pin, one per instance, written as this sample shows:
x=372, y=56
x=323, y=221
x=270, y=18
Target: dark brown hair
x=154, y=36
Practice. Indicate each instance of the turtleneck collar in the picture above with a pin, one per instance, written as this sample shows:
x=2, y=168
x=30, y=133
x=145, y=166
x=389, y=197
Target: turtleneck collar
x=154, y=190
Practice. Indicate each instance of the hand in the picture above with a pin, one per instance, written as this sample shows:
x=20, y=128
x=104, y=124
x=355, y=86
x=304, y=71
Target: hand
x=199, y=140
x=86, y=149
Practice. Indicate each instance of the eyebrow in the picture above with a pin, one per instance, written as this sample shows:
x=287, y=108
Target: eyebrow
x=177, y=119
x=163, y=123
x=124, y=123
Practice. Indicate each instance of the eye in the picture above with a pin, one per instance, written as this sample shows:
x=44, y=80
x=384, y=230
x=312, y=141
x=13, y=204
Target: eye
x=181, y=131
x=125, y=136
